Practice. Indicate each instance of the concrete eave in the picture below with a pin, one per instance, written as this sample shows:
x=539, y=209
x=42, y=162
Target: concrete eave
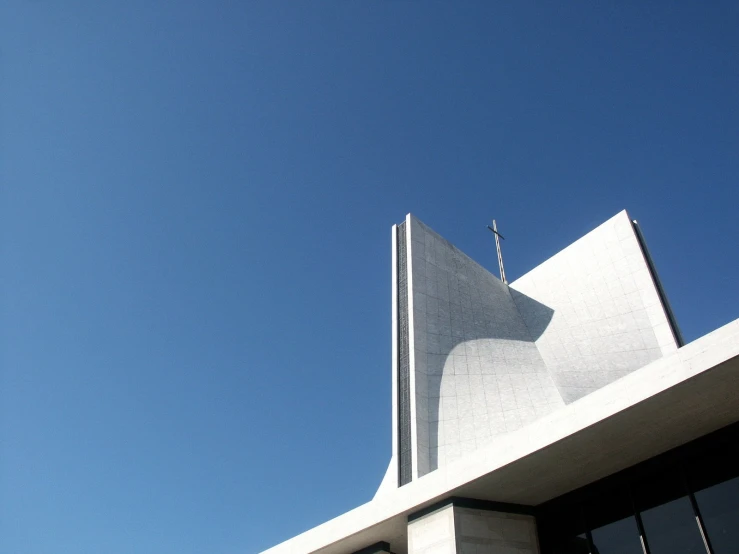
x=668, y=402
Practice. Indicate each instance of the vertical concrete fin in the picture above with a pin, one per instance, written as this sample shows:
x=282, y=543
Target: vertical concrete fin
x=658, y=285
x=403, y=363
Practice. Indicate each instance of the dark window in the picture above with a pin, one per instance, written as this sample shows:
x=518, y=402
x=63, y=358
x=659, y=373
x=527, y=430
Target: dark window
x=572, y=545
x=714, y=479
x=563, y=529
x=672, y=529
x=667, y=515
x=618, y=537
x=613, y=526
x=719, y=506
x=680, y=502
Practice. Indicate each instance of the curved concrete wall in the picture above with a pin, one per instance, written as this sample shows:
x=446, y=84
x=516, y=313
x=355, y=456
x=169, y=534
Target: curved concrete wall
x=484, y=358
x=476, y=372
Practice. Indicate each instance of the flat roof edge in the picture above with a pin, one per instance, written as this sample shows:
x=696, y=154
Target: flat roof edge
x=518, y=447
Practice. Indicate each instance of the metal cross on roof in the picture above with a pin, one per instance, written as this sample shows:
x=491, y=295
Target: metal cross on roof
x=498, y=236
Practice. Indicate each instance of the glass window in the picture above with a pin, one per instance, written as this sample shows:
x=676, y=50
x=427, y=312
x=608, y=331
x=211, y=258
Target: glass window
x=612, y=523
x=669, y=522
x=672, y=529
x=619, y=537
x=572, y=545
x=562, y=529
x=719, y=507
x=658, y=490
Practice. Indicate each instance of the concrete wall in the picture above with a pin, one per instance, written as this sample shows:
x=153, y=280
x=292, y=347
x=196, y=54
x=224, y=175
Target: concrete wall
x=486, y=532
x=486, y=359
x=476, y=371
x=607, y=316
x=433, y=534
x=457, y=530
x=607, y=431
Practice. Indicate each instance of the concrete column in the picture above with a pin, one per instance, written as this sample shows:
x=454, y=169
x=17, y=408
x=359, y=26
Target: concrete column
x=456, y=529
x=433, y=533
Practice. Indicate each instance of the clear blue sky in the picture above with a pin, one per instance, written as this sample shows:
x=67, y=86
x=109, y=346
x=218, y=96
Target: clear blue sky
x=196, y=209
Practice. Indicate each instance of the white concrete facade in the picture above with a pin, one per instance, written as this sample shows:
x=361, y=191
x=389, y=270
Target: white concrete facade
x=487, y=359
x=476, y=371
x=669, y=402
x=522, y=393
x=433, y=533
x=460, y=530
x=607, y=317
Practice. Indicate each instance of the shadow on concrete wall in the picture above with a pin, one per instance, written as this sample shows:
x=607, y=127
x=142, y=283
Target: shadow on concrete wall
x=536, y=316
x=511, y=323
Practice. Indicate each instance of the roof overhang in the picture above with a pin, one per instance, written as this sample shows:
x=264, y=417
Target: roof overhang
x=663, y=405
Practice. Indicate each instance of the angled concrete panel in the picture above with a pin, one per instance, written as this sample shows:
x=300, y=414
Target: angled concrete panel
x=618, y=426
x=476, y=370
x=474, y=359
x=608, y=319
x=474, y=348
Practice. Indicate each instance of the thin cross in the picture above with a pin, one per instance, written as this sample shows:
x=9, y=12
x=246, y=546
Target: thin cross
x=498, y=236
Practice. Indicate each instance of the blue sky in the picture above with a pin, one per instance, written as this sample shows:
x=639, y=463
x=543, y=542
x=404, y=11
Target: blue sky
x=196, y=208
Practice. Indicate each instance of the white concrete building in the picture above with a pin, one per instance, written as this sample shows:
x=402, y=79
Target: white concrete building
x=560, y=414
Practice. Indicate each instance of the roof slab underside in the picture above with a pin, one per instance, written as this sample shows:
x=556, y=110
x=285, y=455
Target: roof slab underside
x=665, y=404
